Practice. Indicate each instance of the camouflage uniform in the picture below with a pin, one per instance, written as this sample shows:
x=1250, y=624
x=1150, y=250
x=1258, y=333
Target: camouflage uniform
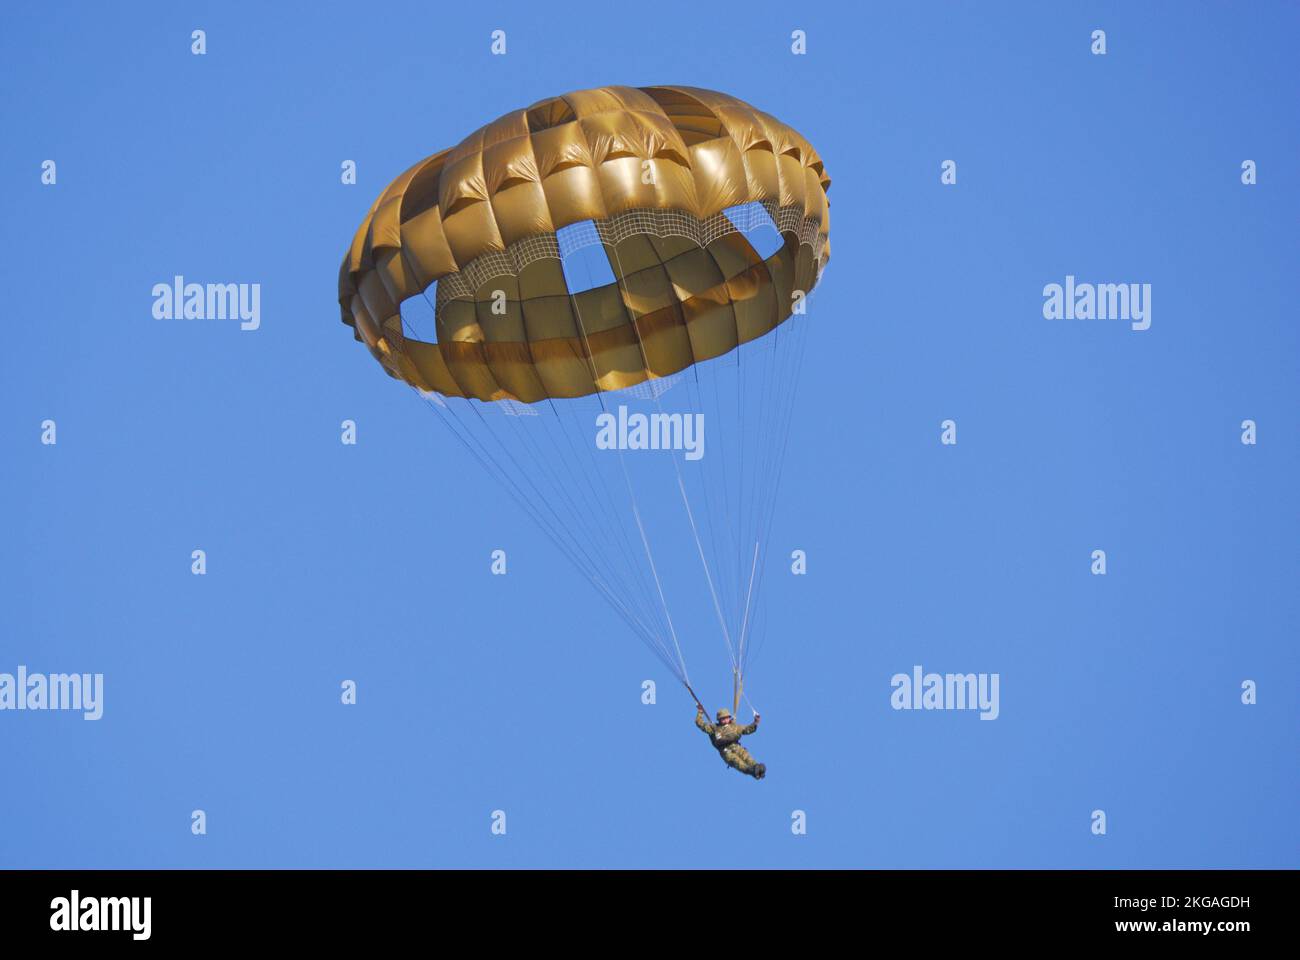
x=725, y=736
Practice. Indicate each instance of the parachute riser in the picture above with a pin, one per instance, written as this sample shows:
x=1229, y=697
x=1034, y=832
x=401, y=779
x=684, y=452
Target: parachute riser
x=739, y=690
x=693, y=696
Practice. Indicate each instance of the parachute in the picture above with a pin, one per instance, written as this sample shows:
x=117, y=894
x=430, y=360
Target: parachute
x=603, y=297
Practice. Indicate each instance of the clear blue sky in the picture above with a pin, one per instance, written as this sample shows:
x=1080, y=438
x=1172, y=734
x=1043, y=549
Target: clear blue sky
x=521, y=692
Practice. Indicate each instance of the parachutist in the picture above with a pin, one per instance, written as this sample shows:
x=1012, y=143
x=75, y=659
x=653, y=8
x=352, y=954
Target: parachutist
x=725, y=736
x=526, y=277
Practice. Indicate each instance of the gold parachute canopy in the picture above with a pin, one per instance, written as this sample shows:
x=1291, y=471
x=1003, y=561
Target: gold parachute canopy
x=650, y=173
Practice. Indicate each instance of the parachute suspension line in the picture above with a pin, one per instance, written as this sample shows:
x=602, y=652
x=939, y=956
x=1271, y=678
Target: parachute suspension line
x=707, y=484
x=742, y=367
x=523, y=432
x=559, y=521
x=722, y=621
x=677, y=467
x=746, y=504
x=635, y=625
x=600, y=493
x=763, y=499
x=718, y=566
x=489, y=465
x=754, y=376
x=588, y=536
x=771, y=393
x=576, y=555
x=716, y=484
x=627, y=480
x=801, y=335
x=593, y=576
x=753, y=517
x=744, y=627
x=753, y=497
x=733, y=538
x=574, y=552
x=590, y=570
x=790, y=384
x=636, y=512
x=761, y=509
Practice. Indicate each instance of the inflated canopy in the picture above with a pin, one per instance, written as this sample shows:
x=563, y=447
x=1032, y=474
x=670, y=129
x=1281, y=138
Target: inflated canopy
x=476, y=230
